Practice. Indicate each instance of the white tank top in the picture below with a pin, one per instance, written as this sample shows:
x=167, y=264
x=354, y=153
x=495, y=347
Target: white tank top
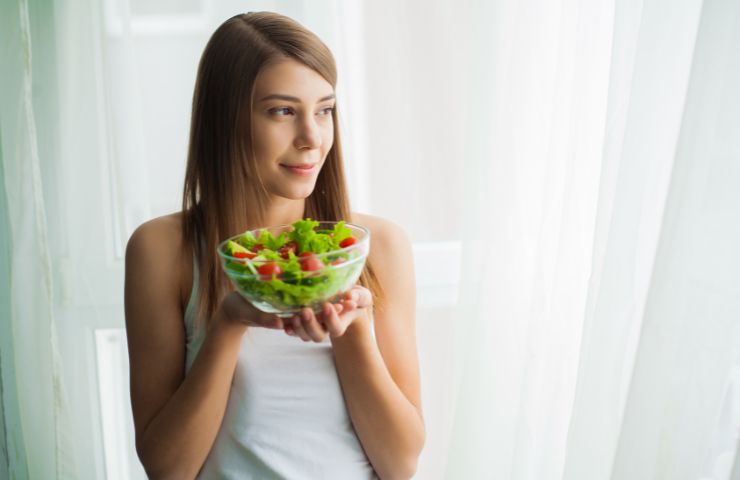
x=286, y=417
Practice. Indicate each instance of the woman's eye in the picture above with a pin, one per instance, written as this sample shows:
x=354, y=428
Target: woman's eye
x=326, y=110
x=281, y=111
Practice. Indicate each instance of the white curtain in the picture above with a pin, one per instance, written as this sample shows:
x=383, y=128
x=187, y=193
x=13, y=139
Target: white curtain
x=35, y=435
x=601, y=318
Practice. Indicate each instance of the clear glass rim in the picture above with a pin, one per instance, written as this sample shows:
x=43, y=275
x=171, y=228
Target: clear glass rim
x=360, y=243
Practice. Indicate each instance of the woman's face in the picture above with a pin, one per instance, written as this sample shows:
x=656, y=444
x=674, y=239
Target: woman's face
x=292, y=127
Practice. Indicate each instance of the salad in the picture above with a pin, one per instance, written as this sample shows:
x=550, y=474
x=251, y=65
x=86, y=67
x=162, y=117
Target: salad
x=282, y=269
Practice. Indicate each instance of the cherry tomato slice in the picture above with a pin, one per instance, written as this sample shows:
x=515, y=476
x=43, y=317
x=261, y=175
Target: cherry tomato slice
x=244, y=255
x=310, y=262
x=269, y=269
x=347, y=242
x=285, y=249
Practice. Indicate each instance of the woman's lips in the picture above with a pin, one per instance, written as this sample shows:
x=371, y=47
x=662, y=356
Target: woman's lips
x=304, y=171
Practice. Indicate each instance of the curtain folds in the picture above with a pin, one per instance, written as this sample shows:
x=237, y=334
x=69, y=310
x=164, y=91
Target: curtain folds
x=601, y=333
x=660, y=342
x=36, y=427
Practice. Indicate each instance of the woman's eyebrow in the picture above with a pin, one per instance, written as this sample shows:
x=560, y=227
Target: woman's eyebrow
x=288, y=98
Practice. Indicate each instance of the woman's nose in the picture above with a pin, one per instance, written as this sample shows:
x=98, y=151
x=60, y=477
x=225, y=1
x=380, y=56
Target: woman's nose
x=308, y=135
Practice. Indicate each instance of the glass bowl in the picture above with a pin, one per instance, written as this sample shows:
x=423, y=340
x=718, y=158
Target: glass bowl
x=286, y=294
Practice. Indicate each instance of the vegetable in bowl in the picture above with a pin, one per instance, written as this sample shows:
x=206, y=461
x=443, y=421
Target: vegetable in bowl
x=282, y=269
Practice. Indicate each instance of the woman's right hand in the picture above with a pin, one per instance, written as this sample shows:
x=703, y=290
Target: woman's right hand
x=236, y=310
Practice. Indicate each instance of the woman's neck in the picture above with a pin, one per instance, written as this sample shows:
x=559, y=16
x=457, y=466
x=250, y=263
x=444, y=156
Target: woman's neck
x=283, y=211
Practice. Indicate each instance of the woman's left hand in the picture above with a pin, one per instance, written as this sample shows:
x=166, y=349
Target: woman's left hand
x=334, y=318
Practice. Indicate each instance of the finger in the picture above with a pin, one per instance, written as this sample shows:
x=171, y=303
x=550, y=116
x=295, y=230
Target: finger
x=347, y=297
x=349, y=305
x=338, y=307
x=351, y=296
x=334, y=323
x=311, y=325
x=362, y=296
x=268, y=320
x=299, y=330
x=277, y=323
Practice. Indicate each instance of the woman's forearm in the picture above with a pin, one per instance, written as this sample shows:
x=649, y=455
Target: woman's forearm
x=176, y=442
x=388, y=425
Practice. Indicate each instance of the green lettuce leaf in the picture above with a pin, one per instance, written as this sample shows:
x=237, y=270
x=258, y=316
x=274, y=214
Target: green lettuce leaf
x=302, y=234
x=340, y=232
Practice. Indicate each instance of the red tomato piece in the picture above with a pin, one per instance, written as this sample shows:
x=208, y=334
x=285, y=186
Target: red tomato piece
x=258, y=247
x=244, y=255
x=285, y=249
x=310, y=262
x=338, y=261
x=269, y=269
x=347, y=242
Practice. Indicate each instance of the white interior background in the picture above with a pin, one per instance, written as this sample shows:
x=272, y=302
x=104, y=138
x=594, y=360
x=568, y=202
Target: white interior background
x=569, y=173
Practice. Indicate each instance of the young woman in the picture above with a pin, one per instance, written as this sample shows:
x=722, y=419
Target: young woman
x=218, y=388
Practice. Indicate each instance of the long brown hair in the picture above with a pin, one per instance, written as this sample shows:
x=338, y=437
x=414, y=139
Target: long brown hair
x=221, y=176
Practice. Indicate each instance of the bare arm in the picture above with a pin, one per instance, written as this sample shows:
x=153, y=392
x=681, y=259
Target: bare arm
x=389, y=425
x=380, y=380
x=176, y=417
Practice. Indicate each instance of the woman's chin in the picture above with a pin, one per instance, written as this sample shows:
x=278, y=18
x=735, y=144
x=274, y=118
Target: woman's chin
x=298, y=194
x=291, y=190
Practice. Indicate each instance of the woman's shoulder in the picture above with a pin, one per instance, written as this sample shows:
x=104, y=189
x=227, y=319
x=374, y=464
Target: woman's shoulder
x=158, y=244
x=158, y=235
x=386, y=236
x=377, y=225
